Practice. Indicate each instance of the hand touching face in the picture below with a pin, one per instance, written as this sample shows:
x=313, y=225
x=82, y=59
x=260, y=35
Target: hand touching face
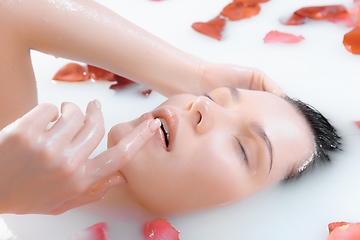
x=48, y=171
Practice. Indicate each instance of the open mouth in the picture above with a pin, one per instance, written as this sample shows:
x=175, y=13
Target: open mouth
x=165, y=129
x=170, y=122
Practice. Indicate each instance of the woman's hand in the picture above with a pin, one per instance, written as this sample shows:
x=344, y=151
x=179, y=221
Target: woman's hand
x=48, y=171
x=216, y=75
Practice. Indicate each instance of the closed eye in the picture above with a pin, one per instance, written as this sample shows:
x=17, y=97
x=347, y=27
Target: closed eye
x=242, y=151
x=205, y=94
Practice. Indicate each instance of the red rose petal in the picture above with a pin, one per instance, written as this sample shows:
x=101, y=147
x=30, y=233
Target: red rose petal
x=295, y=19
x=332, y=13
x=321, y=12
x=98, y=231
x=275, y=36
x=334, y=225
x=160, y=229
x=212, y=28
x=352, y=40
x=357, y=1
x=238, y=10
x=250, y=2
x=146, y=92
x=121, y=82
x=354, y=11
x=72, y=72
x=343, y=18
x=349, y=231
x=358, y=123
x=101, y=74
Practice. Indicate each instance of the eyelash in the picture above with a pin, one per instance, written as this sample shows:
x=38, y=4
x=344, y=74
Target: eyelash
x=243, y=153
x=205, y=94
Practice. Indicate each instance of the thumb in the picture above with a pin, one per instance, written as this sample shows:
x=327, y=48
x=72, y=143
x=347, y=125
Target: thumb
x=93, y=194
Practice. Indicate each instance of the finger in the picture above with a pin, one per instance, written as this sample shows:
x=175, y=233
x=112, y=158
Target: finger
x=68, y=125
x=119, y=131
x=116, y=157
x=261, y=82
x=95, y=193
x=271, y=87
x=40, y=116
x=89, y=137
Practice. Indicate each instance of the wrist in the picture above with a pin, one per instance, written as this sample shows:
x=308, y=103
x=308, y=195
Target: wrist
x=207, y=81
x=202, y=78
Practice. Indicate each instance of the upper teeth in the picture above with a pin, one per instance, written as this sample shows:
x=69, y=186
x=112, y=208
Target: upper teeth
x=165, y=128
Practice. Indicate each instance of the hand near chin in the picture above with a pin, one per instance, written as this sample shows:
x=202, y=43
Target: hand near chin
x=221, y=75
x=48, y=171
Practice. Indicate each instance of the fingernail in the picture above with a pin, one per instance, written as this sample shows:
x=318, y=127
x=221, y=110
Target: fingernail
x=97, y=103
x=154, y=125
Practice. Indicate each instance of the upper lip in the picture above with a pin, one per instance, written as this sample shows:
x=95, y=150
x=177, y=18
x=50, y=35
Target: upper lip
x=172, y=119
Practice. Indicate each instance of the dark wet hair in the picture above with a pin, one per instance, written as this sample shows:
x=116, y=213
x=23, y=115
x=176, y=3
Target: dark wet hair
x=325, y=137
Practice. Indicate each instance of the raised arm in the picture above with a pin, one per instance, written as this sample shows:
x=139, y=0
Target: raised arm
x=86, y=31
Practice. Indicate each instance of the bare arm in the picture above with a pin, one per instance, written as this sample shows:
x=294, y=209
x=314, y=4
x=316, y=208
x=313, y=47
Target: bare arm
x=86, y=31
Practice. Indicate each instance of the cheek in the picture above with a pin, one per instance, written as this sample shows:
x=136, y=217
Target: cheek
x=204, y=175
x=204, y=172
x=222, y=172
x=213, y=173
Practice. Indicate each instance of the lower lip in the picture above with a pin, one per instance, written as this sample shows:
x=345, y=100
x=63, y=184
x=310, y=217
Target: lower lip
x=159, y=135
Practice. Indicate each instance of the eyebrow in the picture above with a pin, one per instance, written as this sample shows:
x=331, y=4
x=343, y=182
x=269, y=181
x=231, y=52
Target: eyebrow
x=259, y=130
x=234, y=94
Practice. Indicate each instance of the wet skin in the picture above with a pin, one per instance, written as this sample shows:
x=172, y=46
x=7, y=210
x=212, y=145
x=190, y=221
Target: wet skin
x=222, y=147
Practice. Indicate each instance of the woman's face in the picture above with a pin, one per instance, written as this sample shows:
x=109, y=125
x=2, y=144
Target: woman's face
x=222, y=147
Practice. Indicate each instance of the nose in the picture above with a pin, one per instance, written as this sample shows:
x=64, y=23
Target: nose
x=200, y=111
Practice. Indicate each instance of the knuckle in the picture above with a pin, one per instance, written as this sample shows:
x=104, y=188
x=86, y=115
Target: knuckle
x=95, y=116
x=66, y=169
x=101, y=129
x=94, y=193
x=73, y=110
x=48, y=107
x=143, y=137
x=123, y=150
x=92, y=121
x=22, y=138
x=125, y=155
x=96, y=124
x=46, y=153
x=78, y=115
